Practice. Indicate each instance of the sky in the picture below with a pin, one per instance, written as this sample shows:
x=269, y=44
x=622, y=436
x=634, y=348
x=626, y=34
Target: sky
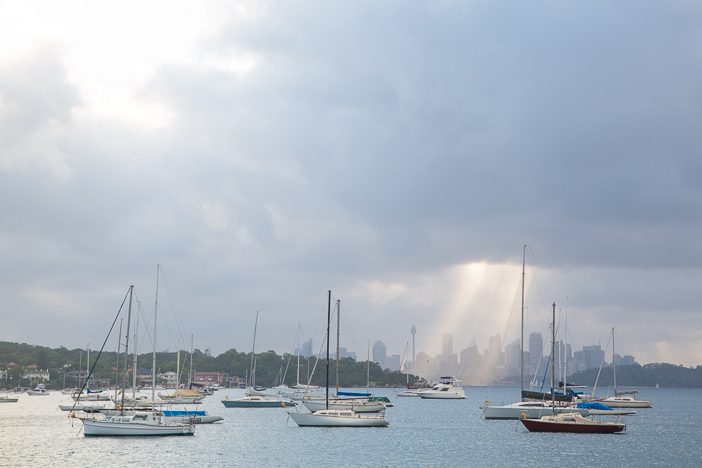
x=398, y=153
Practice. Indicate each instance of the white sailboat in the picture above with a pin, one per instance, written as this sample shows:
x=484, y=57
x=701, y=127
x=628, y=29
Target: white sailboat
x=139, y=423
x=532, y=408
x=329, y=417
x=623, y=399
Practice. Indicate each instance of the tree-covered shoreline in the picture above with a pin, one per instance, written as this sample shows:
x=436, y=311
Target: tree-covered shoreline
x=269, y=366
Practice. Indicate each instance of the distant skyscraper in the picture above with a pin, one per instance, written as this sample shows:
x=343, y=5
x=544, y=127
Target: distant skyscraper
x=495, y=353
x=306, y=348
x=447, y=344
x=379, y=353
x=536, y=348
x=593, y=356
x=512, y=358
x=393, y=362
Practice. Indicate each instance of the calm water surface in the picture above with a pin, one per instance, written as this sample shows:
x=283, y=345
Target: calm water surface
x=33, y=432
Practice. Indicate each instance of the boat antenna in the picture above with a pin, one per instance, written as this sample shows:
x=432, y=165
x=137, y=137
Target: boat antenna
x=328, y=322
x=521, y=341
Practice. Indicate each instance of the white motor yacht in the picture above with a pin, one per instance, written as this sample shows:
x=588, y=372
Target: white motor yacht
x=39, y=390
x=448, y=388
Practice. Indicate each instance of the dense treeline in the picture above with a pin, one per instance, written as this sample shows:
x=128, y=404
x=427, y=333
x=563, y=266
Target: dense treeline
x=269, y=366
x=649, y=375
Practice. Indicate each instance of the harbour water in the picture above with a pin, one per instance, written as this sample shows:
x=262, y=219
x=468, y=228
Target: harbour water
x=34, y=432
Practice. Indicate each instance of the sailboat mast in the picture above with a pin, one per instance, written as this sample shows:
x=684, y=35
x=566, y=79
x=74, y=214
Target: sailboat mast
x=614, y=365
x=521, y=341
x=338, y=324
x=119, y=355
x=80, y=366
x=328, y=323
x=126, y=347
x=253, y=359
x=178, y=366
x=190, y=373
x=368, y=370
x=153, y=359
x=553, y=361
x=135, y=360
x=298, y=366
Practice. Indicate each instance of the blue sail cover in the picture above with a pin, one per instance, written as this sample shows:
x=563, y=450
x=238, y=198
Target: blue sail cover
x=183, y=413
x=594, y=405
x=353, y=394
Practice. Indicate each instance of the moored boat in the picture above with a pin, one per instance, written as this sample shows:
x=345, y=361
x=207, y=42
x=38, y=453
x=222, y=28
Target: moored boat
x=39, y=390
x=256, y=401
x=625, y=401
x=573, y=423
x=338, y=418
x=357, y=406
x=138, y=424
x=533, y=409
x=448, y=388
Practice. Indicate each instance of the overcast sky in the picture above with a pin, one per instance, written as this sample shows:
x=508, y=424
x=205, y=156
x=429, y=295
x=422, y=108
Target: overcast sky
x=399, y=153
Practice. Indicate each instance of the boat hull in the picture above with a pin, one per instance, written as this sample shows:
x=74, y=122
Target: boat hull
x=627, y=403
x=313, y=420
x=514, y=412
x=86, y=408
x=356, y=407
x=438, y=396
x=535, y=425
x=105, y=428
x=257, y=404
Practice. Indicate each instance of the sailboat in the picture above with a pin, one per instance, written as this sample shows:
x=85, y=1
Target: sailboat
x=572, y=422
x=329, y=417
x=256, y=397
x=138, y=423
x=623, y=399
x=534, y=404
x=355, y=401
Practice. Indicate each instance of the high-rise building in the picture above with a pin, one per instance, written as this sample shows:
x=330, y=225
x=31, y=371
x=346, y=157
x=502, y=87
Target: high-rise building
x=536, y=349
x=512, y=361
x=393, y=362
x=379, y=353
x=306, y=350
x=447, y=344
x=592, y=355
x=495, y=355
